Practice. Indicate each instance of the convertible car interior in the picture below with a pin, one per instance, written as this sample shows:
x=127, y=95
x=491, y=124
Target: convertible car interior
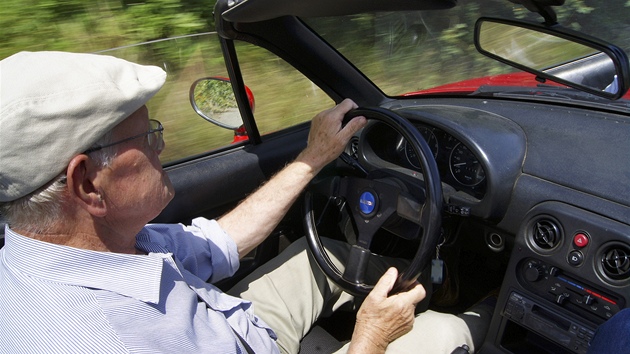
x=510, y=180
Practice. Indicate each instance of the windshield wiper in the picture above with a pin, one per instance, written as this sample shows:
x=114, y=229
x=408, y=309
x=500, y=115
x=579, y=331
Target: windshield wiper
x=540, y=90
x=549, y=93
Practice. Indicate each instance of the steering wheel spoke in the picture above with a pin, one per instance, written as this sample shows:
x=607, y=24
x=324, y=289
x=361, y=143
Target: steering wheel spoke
x=356, y=266
x=327, y=186
x=409, y=208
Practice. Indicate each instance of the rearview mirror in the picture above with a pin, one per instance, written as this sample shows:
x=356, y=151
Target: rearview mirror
x=213, y=99
x=556, y=54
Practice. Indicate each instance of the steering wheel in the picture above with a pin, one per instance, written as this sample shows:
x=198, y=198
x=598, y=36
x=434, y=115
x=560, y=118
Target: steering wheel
x=371, y=201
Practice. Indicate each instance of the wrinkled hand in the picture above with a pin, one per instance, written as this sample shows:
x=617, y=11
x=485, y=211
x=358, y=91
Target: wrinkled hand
x=382, y=319
x=327, y=139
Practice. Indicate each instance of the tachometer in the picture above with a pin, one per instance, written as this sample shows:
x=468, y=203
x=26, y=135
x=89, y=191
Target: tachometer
x=431, y=140
x=465, y=166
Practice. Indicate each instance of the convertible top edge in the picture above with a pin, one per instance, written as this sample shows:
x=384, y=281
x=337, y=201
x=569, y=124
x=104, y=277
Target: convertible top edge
x=261, y=10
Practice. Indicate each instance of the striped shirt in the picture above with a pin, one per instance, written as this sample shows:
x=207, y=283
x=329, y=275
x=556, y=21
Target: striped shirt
x=58, y=299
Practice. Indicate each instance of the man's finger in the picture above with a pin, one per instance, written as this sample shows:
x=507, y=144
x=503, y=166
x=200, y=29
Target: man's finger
x=413, y=295
x=354, y=125
x=386, y=283
x=346, y=105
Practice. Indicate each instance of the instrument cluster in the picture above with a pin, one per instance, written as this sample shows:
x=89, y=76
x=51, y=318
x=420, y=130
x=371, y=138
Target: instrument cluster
x=458, y=165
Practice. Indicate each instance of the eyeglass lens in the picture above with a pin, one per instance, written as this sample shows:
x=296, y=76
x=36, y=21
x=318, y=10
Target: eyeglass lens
x=156, y=137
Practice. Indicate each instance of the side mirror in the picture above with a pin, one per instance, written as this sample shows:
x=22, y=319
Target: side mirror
x=557, y=54
x=213, y=99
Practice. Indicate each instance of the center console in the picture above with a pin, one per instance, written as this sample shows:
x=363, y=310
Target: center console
x=569, y=272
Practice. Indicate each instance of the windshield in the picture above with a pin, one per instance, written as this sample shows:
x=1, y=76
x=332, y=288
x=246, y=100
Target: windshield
x=404, y=52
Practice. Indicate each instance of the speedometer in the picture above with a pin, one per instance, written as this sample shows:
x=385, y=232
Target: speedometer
x=465, y=166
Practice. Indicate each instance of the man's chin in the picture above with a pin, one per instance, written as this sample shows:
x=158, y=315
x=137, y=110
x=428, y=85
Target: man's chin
x=169, y=195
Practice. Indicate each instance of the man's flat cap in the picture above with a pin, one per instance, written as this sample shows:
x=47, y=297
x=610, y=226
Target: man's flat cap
x=55, y=105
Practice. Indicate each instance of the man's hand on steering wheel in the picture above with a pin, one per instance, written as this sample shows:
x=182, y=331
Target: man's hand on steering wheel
x=382, y=318
x=328, y=137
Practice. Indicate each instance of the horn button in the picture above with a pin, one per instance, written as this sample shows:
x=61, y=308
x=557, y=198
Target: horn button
x=368, y=203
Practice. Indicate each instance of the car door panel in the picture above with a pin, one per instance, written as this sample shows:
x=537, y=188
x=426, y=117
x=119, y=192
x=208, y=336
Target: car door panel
x=211, y=185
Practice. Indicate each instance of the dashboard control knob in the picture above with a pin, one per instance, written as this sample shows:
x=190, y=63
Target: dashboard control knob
x=560, y=299
x=575, y=258
x=588, y=299
x=533, y=272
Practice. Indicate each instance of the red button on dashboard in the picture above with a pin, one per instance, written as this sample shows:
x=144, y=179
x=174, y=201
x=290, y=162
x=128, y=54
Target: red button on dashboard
x=580, y=240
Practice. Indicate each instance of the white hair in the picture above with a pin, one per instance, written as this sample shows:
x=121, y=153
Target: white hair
x=38, y=211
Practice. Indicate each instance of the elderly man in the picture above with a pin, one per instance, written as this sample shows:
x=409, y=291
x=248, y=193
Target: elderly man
x=81, y=271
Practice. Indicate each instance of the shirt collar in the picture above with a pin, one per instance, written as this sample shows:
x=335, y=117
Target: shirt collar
x=136, y=276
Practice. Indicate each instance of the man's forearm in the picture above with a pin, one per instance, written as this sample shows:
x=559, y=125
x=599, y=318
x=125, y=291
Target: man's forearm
x=256, y=217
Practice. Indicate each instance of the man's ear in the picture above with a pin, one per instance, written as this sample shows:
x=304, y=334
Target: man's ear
x=81, y=174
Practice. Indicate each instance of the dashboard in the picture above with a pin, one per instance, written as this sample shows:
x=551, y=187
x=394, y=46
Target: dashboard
x=459, y=167
x=476, y=175
x=554, y=185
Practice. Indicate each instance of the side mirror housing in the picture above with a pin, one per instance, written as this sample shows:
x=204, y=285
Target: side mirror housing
x=213, y=99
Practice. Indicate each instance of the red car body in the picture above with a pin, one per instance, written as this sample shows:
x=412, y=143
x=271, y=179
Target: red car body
x=518, y=79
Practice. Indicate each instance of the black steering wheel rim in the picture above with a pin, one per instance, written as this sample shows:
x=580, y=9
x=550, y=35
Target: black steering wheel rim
x=430, y=213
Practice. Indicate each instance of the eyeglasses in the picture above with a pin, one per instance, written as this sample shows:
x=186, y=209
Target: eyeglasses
x=154, y=136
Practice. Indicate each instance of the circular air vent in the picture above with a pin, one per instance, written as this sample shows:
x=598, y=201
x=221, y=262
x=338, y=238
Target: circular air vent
x=615, y=261
x=546, y=233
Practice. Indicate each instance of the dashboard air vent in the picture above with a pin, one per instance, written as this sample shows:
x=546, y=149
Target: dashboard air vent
x=353, y=148
x=546, y=234
x=615, y=261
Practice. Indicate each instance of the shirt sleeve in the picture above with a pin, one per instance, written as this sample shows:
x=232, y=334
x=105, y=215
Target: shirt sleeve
x=203, y=248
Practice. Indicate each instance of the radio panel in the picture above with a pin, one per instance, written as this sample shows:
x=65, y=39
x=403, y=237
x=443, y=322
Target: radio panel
x=569, y=334
x=551, y=283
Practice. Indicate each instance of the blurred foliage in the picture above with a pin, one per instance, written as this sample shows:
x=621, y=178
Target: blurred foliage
x=400, y=52
x=284, y=97
x=185, y=59
x=114, y=27
x=89, y=26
